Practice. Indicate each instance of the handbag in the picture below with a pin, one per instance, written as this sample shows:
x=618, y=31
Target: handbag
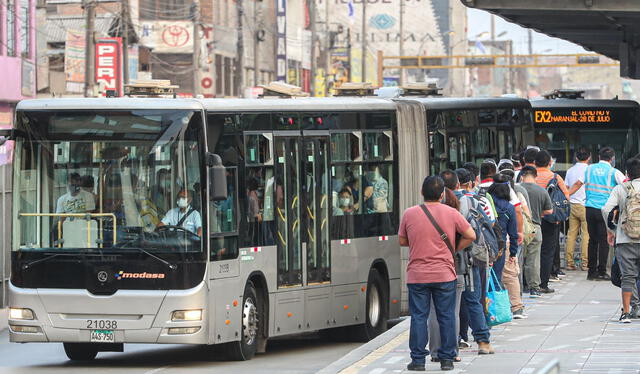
x=498, y=306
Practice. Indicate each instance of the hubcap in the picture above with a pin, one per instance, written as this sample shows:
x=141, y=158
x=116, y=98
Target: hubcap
x=249, y=321
x=374, y=305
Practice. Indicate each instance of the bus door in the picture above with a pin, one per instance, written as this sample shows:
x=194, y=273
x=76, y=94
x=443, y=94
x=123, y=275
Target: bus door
x=458, y=143
x=506, y=143
x=288, y=204
x=316, y=207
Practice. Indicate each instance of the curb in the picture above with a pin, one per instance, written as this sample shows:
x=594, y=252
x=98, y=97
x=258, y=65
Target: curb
x=364, y=350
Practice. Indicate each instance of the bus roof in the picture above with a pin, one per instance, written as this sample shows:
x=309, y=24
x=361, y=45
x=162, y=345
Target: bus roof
x=584, y=103
x=444, y=103
x=298, y=104
x=108, y=104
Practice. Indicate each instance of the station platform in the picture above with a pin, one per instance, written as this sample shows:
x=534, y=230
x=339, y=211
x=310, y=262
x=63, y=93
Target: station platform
x=574, y=330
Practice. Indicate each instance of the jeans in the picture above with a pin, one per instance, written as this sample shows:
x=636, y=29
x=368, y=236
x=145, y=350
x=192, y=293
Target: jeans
x=598, y=245
x=464, y=321
x=432, y=322
x=475, y=311
x=550, y=242
x=577, y=223
x=444, y=299
x=531, y=262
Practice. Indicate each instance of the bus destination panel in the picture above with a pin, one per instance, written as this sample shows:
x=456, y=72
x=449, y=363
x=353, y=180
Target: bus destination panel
x=582, y=117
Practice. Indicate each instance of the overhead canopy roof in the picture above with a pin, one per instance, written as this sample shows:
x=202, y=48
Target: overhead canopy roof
x=608, y=27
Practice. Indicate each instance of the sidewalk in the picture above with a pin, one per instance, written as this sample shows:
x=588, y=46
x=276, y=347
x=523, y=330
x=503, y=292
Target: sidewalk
x=577, y=326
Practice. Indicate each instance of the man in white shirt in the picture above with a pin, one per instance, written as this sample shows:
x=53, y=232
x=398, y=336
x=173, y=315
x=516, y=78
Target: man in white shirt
x=191, y=219
x=76, y=200
x=578, y=217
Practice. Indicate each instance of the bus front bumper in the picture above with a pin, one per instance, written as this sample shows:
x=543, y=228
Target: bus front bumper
x=132, y=316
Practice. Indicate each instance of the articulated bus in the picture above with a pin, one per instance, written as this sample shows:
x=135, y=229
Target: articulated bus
x=298, y=202
x=563, y=124
x=474, y=129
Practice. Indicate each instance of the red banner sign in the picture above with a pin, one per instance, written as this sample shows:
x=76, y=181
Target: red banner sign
x=109, y=65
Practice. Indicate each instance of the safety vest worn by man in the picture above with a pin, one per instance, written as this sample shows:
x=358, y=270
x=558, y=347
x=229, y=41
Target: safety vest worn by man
x=599, y=182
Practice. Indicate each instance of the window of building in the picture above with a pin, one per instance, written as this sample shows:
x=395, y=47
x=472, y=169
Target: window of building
x=25, y=24
x=165, y=9
x=11, y=28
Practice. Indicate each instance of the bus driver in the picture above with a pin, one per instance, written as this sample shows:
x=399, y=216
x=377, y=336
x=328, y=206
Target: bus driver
x=184, y=215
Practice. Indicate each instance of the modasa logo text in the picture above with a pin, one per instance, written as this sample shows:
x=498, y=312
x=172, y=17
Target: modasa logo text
x=123, y=274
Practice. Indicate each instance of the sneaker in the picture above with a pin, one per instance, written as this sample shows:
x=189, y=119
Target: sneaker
x=554, y=278
x=561, y=274
x=571, y=268
x=592, y=277
x=625, y=318
x=603, y=277
x=415, y=367
x=446, y=365
x=584, y=268
x=519, y=314
x=547, y=290
x=534, y=293
x=464, y=344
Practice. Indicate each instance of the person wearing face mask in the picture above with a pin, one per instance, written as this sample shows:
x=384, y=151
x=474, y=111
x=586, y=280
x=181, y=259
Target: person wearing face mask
x=376, y=194
x=76, y=200
x=184, y=215
x=345, y=202
x=599, y=180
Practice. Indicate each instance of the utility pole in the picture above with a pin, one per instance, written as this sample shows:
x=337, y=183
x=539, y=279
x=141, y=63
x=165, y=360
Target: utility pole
x=530, y=41
x=195, y=16
x=312, y=18
x=239, y=66
x=328, y=47
x=401, y=44
x=90, y=48
x=363, y=74
x=255, y=42
x=124, y=14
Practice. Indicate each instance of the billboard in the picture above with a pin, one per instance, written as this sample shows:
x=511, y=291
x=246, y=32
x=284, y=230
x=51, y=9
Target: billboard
x=168, y=36
x=74, y=61
x=109, y=65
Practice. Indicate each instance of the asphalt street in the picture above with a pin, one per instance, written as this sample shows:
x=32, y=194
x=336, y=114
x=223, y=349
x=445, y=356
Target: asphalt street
x=300, y=354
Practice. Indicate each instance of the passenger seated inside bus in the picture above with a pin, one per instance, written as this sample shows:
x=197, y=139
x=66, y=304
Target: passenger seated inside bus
x=183, y=215
x=345, y=202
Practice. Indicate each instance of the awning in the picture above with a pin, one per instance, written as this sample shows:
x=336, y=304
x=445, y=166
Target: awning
x=608, y=27
x=105, y=25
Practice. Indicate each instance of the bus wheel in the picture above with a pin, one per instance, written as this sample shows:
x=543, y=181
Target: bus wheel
x=376, y=309
x=246, y=348
x=80, y=351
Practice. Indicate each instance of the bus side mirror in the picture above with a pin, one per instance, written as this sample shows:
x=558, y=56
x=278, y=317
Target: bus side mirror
x=217, y=178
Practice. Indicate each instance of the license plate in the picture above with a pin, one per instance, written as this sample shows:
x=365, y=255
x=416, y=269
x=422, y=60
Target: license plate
x=103, y=336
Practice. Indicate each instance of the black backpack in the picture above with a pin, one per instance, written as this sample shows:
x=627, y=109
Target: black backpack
x=561, y=206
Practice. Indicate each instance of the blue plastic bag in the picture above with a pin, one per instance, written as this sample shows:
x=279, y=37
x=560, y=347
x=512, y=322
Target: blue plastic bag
x=498, y=306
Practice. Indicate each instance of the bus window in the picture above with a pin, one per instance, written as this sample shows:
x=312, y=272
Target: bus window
x=346, y=180
x=377, y=188
x=258, y=149
x=377, y=146
x=346, y=147
x=437, y=152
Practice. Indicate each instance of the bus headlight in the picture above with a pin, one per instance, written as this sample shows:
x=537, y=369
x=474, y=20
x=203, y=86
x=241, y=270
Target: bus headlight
x=187, y=315
x=20, y=313
x=183, y=330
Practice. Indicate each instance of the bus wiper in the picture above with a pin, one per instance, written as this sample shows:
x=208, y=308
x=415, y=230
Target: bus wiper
x=28, y=265
x=170, y=265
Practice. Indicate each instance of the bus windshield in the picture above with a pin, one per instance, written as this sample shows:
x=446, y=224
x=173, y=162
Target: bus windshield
x=108, y=180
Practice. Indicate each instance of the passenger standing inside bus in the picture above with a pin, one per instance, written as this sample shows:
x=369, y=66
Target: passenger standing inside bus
x=599, y=180
x=578, y=217
x=431, y=270
x=550, y=231
x=76, y=200
x=184, y=215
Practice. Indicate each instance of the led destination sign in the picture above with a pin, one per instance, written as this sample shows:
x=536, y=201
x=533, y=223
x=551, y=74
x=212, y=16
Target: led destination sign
x=582, y=118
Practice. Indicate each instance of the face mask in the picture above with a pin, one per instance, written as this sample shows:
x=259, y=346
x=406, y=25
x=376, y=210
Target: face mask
x=345, y=201
x=183, y=202
x=73, y=189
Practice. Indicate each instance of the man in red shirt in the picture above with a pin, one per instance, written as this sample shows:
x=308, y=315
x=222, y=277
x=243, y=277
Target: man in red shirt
x=431, y=271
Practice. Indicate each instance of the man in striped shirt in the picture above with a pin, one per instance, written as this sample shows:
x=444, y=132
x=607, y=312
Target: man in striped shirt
x=550, y=250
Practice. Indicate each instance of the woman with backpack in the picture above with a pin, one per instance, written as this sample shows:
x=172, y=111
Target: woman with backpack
x=500, y=192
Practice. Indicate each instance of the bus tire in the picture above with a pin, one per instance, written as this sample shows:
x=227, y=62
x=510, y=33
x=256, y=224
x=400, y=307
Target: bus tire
x=376, y=309
x=80, y=351
x=247, y=347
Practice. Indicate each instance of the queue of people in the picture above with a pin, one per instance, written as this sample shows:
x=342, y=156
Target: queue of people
x=525, y=206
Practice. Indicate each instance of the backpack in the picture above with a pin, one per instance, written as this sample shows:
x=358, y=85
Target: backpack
x=502, y=244
x=529, y=230
x=486, y=246
x=631, y=224
x=561, y=207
